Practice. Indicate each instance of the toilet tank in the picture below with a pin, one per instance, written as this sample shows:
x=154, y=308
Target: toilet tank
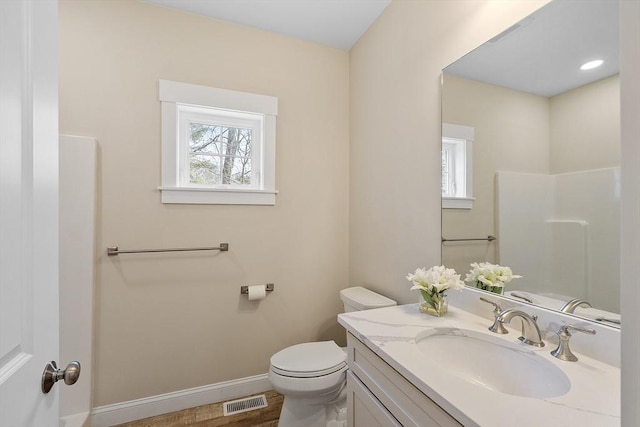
x=358, y=298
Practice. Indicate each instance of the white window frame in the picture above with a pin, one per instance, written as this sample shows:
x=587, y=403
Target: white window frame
x=458, y=140
x=182, y=102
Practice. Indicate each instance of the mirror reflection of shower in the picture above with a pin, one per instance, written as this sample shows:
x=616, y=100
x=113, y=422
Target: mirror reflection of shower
x=560, y=232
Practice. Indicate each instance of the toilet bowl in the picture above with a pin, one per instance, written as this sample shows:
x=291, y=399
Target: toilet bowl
x=312, y=376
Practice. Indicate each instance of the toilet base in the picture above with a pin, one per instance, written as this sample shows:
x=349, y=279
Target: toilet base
x=305, y=412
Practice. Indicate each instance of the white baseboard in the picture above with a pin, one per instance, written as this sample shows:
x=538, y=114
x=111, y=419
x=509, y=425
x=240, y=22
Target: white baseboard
x=118, y=413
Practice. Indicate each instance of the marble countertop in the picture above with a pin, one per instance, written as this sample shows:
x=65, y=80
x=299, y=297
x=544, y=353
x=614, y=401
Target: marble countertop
x=593, y=400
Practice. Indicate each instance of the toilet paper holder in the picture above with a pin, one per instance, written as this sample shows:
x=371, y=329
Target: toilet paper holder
x=245, y=289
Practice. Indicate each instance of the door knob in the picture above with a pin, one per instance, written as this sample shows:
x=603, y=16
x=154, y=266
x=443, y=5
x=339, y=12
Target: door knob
x=52, y=375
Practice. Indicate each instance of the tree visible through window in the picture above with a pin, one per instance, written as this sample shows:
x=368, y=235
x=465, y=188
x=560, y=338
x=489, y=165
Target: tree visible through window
x=457, y=170
x=448, y=180
x=455, y=166
x=219, y=154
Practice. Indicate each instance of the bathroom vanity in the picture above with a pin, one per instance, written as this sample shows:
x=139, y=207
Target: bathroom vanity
x=378, y=395
x=411, y=369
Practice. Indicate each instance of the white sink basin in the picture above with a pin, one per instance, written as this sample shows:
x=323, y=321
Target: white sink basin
x=493, y=362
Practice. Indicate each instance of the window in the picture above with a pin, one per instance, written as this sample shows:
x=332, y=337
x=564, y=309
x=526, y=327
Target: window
x=218, y=146
x=457, y=171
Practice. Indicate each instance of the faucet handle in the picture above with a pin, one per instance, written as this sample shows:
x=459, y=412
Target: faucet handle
x=497, y=327
x=566, y=328
x=563, y=352
x=497, y=307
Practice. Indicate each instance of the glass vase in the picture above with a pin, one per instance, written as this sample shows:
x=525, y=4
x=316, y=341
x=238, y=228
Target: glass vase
x=495, y=289
x=434, y=304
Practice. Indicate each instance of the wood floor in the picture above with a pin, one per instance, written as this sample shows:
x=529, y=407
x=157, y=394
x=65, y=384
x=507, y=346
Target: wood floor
x=212, y=416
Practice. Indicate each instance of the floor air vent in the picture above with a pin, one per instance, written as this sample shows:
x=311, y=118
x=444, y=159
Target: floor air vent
x=246, y=404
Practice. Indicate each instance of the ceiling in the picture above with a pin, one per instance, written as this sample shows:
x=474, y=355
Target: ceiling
x=334, y=23
x=542, y=54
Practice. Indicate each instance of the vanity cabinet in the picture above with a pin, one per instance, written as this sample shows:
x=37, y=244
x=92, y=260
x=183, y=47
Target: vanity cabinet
x=364, y=409
x=377, y=395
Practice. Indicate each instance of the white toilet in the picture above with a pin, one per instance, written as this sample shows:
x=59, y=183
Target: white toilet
x=312, y=376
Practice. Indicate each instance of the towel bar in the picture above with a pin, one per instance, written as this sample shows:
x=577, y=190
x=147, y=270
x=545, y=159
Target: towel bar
x=488, y=238
x=113, y=250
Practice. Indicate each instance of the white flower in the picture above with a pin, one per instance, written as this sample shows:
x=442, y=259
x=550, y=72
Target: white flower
x=490, y=274
x=435, y=280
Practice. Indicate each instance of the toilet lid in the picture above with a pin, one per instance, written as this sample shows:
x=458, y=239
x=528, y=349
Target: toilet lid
x=310, y=359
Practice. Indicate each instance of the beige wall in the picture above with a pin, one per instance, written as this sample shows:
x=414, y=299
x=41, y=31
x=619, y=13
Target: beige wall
x=394, y=223
x=170, y=322
x=511, y=135
x=585, y=127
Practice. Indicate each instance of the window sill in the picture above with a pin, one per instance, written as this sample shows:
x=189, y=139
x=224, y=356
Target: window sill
x=457, y=202
x=217, y=196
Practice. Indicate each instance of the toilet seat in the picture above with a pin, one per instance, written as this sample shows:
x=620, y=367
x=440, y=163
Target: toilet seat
x=309, y=360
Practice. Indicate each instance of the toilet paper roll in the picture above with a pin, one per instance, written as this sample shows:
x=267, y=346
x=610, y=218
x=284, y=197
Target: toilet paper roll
x=257, y=292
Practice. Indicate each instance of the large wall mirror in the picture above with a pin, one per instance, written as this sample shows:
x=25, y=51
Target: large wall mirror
x=531, y=157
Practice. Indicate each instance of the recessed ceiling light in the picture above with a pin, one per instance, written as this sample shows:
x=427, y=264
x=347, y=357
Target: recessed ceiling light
x=591, y=64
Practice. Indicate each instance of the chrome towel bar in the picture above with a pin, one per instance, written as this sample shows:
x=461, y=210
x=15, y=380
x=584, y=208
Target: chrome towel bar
x=113, y=250
x=488, y=238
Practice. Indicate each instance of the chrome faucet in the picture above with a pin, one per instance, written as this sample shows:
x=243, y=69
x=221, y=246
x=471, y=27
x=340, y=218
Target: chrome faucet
x=571, y=305
x=563, y=352
x=530, y=331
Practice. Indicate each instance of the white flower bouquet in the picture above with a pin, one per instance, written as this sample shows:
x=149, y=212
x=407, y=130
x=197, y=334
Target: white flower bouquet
x=433, y=284
x=490, y=277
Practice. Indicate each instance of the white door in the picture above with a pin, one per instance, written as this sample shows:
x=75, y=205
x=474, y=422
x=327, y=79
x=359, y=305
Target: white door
x=28, y=210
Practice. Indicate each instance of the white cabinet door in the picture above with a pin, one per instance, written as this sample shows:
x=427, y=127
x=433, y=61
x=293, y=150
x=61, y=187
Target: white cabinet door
x=364, y=410
x=28, y=210
x=398, y=396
